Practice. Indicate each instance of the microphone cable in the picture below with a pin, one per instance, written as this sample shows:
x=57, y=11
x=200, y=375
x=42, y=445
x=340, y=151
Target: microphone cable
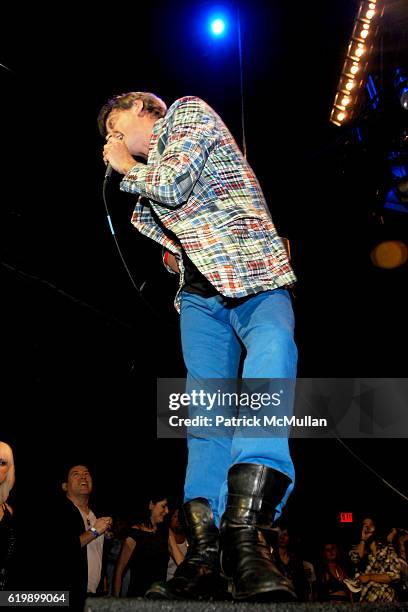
x=138, y=290
x=372, y=470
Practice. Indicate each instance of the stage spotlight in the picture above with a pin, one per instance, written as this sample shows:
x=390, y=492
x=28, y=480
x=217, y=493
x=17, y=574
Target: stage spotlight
x=218, y=26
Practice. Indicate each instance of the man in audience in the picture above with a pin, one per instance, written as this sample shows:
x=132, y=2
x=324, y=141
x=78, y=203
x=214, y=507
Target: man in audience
x=81, y=535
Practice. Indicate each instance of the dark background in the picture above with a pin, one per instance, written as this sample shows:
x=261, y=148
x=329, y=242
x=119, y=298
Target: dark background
x=81, y=354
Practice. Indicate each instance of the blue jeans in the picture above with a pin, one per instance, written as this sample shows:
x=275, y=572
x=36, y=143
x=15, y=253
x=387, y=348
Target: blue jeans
x=211, y=331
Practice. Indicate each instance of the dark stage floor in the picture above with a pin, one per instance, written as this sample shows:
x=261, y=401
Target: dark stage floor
x=112, y=605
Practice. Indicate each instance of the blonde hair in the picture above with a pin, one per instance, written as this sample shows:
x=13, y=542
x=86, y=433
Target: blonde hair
x=6, y=486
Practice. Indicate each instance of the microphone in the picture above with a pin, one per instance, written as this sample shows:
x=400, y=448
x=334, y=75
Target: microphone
x=108, y=171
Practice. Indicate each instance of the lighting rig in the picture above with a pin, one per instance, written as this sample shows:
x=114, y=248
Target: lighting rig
x=354, y=72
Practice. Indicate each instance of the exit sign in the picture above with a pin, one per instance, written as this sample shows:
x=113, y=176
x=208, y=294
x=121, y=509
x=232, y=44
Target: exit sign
x=346, y=517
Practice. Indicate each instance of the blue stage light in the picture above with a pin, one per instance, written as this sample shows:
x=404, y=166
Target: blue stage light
x=218, y=26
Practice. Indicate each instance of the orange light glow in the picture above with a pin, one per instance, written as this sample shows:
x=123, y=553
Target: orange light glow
x=390, y=254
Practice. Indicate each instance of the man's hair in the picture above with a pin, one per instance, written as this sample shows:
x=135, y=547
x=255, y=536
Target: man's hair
x=151, y=103
x=68, y=467
x=6, y=486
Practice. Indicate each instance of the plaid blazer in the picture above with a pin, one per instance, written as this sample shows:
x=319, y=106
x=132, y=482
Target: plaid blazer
x=203, y=190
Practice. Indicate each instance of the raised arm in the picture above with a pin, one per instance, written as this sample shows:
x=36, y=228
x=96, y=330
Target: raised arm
x=126, y=552
x=101, y=525
x=191, y=136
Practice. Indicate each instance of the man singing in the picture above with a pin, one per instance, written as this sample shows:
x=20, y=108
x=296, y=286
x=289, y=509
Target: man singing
x=199, y=199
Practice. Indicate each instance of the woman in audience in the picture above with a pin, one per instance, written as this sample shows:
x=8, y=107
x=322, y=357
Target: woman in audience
x=146, y=551
x=377, y=565
x=330, y=581
x=7, y=527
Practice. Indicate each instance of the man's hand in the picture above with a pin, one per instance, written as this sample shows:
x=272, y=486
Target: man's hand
x=103, y=523
x=117, y=155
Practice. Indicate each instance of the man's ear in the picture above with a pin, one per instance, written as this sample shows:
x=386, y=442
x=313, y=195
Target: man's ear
x=64, y=486
x=138, y=107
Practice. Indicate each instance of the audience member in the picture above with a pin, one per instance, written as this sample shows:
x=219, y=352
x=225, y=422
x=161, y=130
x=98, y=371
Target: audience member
x=311, y=579
x=80, y=542
x=398, y=538
x=330, y=582
x=113, y=546
x=377, y=565
x=145, y=551
x=7, y=525
x=178, y=533
x=290, y=563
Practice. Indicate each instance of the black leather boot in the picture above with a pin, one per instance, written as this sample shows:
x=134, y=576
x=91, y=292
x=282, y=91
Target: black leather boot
x=198, y=576
x=254, y=491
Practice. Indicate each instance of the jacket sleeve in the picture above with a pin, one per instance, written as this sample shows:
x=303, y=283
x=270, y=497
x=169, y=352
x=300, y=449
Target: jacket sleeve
x=191, y=135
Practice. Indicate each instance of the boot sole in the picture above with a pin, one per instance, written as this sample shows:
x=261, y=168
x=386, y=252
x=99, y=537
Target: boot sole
x=160, y=592
x=267, y=595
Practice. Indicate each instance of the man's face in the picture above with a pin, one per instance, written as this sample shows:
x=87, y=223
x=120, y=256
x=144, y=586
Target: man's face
x=130, y=126
x=79, y=481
